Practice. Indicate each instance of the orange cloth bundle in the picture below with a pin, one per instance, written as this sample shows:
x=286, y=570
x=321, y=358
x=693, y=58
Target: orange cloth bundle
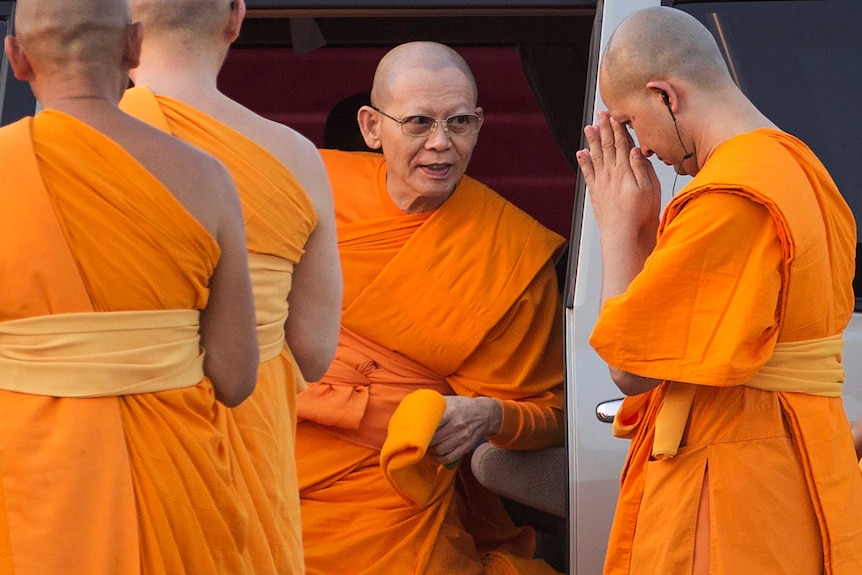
x=418, y=477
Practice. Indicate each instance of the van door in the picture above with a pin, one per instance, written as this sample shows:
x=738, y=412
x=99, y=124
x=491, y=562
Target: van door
x=596, y=457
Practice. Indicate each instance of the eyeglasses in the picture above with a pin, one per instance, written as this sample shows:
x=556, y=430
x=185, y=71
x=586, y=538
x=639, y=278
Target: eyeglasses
x=418, y=126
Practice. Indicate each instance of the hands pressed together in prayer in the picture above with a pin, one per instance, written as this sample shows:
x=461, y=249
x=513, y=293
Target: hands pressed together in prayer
x=466, y=421
x=624, y=190
x=626, y=197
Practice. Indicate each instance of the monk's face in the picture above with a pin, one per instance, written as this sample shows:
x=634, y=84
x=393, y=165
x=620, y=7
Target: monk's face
x=645, y=114
x=425, y=170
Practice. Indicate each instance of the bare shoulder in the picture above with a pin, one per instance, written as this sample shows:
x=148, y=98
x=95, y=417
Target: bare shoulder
x=301, y=157
x=295, y=151
x=196, y=179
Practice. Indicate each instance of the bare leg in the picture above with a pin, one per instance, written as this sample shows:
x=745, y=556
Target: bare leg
x=700, y=564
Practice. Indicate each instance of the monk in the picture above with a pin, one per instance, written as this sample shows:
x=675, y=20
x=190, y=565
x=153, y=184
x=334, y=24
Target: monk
x=290, y=233
x=122, y=257
x=722, y=322
x=449, y=291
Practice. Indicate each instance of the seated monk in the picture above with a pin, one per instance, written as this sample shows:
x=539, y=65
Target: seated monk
x=122, y=255
x=290, y=235
x=449, y=290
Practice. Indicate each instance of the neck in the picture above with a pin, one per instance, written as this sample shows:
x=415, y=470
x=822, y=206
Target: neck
x=101, y=113
x=178, y=70
x=414, y=205
x=733, y=115
x=75, y=95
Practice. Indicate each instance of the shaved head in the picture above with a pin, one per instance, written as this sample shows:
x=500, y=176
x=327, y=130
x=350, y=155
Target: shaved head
x=195, y=17
x=657, y=43
x=411, y=56
x=60, y=34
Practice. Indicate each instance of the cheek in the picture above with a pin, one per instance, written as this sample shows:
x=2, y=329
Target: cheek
x=642, y=137
x=465, y=148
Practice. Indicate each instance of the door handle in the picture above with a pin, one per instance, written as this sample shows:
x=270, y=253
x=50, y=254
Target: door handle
x=607, y=410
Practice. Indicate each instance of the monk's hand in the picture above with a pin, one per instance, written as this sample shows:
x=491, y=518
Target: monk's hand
x=624, y=190
x=465, y=422
x=856, y=428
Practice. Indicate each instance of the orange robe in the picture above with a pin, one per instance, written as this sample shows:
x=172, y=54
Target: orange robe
x=116, y=485
x=461, y=300
x=279, y=217
x=754, y=256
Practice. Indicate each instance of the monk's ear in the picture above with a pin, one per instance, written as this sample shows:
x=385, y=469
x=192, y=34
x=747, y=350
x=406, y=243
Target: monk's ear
x=664, y=93
x=132, y=49
x=369, y=125
x=237, y=15
x=17, y=59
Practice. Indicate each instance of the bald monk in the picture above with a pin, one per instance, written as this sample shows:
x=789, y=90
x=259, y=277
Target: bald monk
x=722, y=323
x=448, y=288
x=122, y=255
x=290, y=231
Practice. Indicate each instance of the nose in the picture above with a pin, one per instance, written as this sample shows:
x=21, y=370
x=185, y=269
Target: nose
x=646, y=151
x=439, y=139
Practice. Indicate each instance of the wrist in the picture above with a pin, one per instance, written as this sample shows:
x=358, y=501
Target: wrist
x=494, y=418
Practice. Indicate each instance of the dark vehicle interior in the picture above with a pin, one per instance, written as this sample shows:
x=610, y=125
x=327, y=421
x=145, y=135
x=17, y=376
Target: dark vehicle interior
x=530, y=66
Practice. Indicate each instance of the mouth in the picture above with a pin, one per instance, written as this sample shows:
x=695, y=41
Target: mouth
x=436, y=170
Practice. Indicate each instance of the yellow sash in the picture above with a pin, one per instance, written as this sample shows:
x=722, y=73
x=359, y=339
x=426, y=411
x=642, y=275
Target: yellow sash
x=271, y=279
x=812, y=367
x=96, y=354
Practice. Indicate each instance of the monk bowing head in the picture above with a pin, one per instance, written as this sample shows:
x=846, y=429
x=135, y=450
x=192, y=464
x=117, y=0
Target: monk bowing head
x=74, y=42
x=424, y=117
x=663, y=75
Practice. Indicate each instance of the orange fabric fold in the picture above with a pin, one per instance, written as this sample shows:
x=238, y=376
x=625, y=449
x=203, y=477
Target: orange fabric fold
x=279, y=217
x=362, y=389
x=131, y=484
x=709, y=314
x=444, y=318
x=509, y=236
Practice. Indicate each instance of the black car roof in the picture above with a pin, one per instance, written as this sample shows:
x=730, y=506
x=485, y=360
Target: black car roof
x=416, y=4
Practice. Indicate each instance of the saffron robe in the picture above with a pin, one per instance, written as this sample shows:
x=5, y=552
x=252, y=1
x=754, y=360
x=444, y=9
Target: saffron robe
x=462, y=299
x=117, y=485
x=756, y=252
x=279, y=217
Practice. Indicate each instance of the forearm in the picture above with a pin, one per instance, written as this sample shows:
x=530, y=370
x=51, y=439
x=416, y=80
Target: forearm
x=631, y=384
x=624, y=253
x=623, y=258
x=529, y=424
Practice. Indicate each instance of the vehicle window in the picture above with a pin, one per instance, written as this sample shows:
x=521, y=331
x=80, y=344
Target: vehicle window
x=16, y=98
x=799, y=63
